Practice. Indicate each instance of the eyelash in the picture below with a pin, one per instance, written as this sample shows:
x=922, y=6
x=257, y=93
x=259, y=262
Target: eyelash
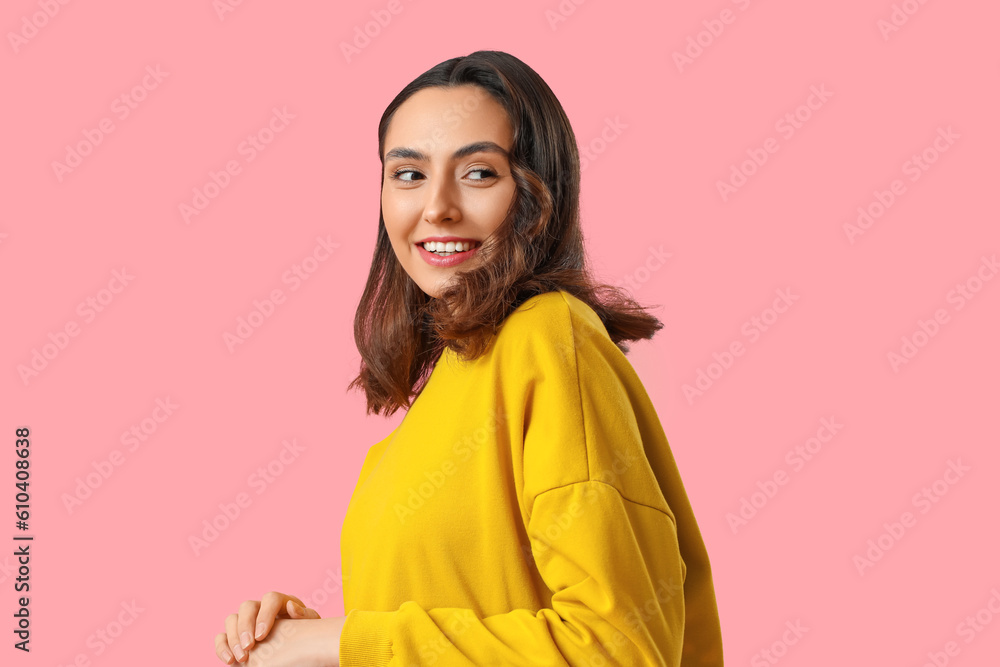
x=487, y=173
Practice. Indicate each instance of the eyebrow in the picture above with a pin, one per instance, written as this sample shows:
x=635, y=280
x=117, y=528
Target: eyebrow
x=464, y=151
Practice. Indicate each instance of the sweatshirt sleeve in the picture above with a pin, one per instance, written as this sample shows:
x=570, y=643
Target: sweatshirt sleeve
x=606, y=545
x=617, y=598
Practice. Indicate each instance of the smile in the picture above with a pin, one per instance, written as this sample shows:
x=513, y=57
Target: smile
x=447, y=254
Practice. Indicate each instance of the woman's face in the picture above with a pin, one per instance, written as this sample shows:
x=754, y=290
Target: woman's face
x=446, y=177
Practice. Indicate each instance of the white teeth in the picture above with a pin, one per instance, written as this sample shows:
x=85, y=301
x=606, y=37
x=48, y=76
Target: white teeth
x=450, y=246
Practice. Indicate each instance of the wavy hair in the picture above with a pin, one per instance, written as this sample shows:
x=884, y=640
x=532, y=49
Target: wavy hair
x=400, y=331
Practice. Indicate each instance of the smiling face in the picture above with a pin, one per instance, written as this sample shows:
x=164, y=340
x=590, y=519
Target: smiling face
x=446, y=178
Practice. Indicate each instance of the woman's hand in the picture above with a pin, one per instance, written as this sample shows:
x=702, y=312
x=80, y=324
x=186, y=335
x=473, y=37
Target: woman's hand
x=295, y=642
x=254, y=621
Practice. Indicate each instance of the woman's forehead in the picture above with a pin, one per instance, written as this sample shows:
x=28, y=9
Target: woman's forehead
x=442, y=120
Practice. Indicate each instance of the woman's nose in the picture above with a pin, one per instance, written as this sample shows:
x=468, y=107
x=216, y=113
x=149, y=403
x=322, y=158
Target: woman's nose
x=440, y=205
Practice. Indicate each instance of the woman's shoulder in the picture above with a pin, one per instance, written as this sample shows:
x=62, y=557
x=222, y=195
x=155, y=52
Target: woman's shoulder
x=553, y=310
x=553, y=319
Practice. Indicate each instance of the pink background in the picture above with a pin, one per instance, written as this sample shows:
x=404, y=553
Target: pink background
x=652, y=184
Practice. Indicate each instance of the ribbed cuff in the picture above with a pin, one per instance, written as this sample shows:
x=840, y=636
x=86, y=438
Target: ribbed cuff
x=366, y=639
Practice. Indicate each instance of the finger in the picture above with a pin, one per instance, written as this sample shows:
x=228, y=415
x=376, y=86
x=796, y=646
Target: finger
x=271, y=604
x=298, y=610
x=246, y=622
x=301, y=611
x=311, y=613
x=222, y=648
x=305, y=611
x=232, y=638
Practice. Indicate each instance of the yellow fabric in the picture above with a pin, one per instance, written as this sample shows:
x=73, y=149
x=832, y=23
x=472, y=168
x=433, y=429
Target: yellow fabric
x=527, y=511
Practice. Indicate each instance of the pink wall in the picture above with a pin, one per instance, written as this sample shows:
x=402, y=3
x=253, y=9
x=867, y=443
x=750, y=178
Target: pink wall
x=731, y=147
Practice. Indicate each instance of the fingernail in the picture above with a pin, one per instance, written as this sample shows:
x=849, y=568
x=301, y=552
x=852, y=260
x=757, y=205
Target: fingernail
x=245, y=639
x=301, y=610
x=239, y=652
x=227, y=656
x=260, y=630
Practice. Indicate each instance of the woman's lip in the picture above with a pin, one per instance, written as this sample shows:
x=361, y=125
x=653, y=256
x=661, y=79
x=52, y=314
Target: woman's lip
x=446, y=239
x=450, y=260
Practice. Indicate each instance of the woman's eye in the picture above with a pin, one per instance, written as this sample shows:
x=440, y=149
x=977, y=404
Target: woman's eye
x=399, y=173
x=487, y=173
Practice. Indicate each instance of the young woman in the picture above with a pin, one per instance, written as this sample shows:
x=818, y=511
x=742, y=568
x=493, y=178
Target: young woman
x=527, y=510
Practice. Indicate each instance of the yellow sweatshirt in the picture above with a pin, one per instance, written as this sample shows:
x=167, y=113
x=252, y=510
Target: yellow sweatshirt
x=527, y=511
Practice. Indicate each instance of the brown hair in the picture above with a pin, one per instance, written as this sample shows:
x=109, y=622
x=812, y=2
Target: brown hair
x=400, y=331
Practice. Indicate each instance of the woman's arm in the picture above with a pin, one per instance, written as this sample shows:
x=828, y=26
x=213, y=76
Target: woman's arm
x=313, y=641
x=292, y=642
